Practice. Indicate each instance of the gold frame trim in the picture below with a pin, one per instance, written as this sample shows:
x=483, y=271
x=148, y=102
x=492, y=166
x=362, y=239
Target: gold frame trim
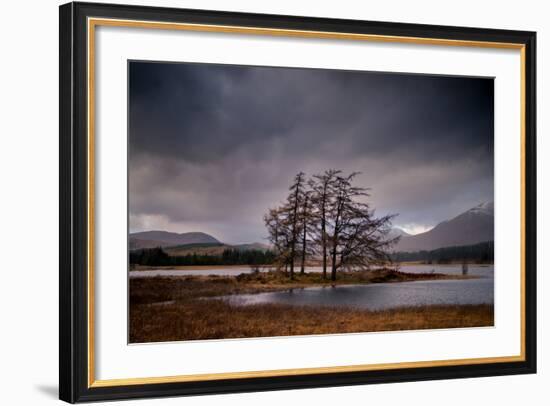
x=94, y=22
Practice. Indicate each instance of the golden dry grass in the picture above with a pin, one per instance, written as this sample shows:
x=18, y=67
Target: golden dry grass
x=216, y=319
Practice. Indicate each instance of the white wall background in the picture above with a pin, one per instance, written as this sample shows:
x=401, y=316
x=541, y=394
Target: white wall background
x=29, y=203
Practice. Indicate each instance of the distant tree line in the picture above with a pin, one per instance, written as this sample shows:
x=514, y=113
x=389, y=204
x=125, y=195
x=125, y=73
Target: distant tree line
x=230, y=256
x=478, y=253
x=328, y=217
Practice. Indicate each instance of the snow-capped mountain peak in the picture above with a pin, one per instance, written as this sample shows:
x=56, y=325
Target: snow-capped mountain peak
x=483, y=208
x=472, y=226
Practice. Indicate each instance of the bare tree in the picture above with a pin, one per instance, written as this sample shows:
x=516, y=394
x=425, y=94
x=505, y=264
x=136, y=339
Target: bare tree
x=277, y=224
x=305, y=226
x=334, y=212
x=364, y=239
x=322, y=187
x=294, y=201
x=358, y=239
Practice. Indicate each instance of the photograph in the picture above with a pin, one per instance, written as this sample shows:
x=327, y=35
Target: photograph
x=281, y=201
x=259, y=201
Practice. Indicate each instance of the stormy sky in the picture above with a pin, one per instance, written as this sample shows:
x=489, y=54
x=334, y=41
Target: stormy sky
x=212, y=147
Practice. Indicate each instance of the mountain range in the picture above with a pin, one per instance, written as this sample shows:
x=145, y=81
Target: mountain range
x=154, y=239
x=186, y=243
x=473, y=226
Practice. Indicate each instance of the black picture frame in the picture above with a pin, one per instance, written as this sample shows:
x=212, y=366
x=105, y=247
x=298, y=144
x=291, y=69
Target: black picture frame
x=74, y=384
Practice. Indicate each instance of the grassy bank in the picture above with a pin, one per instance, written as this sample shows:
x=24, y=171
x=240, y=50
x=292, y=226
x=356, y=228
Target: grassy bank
x=172, y=308
x=216, y=319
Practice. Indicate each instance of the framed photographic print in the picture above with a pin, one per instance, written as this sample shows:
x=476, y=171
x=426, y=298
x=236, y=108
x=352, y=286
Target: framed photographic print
x=257, y=202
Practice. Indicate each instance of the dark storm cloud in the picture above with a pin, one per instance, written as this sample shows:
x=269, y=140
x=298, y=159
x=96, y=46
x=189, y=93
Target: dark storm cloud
x=213, y=146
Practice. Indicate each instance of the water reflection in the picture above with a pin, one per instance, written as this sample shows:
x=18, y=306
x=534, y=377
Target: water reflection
x=381, y=295
x=373, y=296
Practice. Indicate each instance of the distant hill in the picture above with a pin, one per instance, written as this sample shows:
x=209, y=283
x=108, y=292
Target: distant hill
x=153, y=239
x=473, y=226
x=175, y=244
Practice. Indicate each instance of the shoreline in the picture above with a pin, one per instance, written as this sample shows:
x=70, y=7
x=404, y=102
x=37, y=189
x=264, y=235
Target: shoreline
x=169, y=287
x=140, y=268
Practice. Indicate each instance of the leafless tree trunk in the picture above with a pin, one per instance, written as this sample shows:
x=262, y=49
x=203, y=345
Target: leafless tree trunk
x=339, y=204
x=294, y=201
x=305, y=219
x=322, y=185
